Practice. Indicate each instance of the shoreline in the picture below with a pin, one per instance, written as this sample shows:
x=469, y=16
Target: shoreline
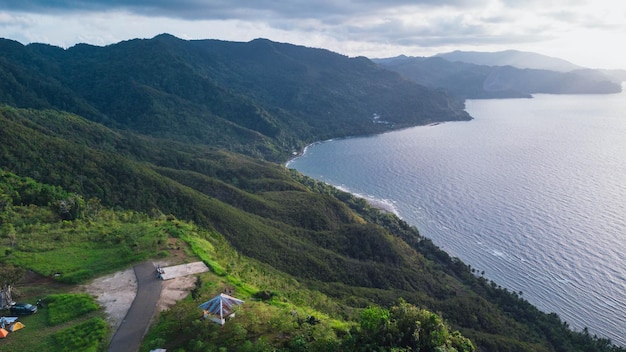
x=493, y=255
x=382, y=204
x=296, y=155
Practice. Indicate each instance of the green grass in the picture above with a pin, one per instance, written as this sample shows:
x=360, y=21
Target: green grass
x=87, y=337
x=204, y=250
x=38, y=333
x=86, y=261
x=95, y=247
x=65, y=307
x=80, y=250
x=32, y=337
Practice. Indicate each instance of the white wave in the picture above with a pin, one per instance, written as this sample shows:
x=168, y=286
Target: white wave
x=387, y=205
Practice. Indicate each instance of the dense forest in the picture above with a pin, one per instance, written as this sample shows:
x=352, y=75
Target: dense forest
x=115, y=152
x=260, y=98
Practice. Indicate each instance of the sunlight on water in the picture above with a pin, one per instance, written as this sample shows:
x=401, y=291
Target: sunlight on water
x=533, y=192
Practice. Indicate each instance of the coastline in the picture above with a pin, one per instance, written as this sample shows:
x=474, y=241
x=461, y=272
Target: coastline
x=384, y=205
x=543, y=280
x=296, y=155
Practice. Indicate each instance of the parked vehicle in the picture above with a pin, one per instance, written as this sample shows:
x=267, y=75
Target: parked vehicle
x=23, y=309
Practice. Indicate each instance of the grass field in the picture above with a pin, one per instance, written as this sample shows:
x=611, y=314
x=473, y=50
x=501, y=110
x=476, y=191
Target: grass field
x=54, y=257
x=40, y=335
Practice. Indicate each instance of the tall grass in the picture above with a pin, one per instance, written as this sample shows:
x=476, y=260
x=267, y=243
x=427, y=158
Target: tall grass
x=65, y=307
x=85, y=337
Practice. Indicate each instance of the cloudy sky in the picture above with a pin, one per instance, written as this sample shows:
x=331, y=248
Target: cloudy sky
x=589, y=33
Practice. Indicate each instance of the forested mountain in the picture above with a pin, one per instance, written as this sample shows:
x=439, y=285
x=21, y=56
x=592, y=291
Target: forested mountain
x=470, y=80
x=263, y=98
x=188, y=133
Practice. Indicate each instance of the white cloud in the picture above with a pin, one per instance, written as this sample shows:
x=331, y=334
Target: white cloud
x=584, y=32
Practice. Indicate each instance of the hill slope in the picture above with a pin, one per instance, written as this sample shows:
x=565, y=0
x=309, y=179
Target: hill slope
x=262, y=98
x=163, y=162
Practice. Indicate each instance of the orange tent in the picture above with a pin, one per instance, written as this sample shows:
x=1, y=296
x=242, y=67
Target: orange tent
x=3, y=333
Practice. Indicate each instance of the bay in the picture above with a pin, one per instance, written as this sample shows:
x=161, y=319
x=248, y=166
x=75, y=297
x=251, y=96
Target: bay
x=532, y=191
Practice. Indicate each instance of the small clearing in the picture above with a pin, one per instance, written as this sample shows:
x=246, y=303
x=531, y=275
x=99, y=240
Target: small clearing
x=116, y=292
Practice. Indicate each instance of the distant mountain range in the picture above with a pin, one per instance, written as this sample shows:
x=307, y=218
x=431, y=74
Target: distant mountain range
x=517, y=59
x=506, y=74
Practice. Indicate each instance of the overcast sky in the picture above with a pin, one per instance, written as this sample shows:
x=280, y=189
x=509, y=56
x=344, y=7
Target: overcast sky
x=588, y=33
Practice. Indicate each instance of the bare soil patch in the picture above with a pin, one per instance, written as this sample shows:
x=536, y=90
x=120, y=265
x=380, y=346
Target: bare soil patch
x=116, y=292
x=175, y=290
x=33, y=286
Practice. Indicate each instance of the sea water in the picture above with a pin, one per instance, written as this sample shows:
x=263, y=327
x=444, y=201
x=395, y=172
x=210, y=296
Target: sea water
x=532, y=191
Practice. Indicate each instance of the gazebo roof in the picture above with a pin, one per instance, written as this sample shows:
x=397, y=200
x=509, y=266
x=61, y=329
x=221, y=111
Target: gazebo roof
x=221, y=305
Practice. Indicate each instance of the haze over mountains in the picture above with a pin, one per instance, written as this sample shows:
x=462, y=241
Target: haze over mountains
x=515, y=58
x=199, y=131
x=506, y=74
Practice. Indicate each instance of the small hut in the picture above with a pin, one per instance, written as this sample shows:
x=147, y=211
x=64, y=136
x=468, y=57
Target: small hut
x=220, y=307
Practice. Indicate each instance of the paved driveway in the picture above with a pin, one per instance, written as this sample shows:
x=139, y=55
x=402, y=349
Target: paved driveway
x=128, y=336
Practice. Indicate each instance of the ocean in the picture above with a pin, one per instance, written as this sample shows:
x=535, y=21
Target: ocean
x=531, y=191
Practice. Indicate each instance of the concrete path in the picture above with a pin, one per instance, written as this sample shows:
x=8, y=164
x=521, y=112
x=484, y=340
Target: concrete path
x=128, y=336
x=171, y=272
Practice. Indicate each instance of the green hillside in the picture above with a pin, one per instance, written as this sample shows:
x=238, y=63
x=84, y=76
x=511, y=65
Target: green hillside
x=110, y=151
x=260, y=98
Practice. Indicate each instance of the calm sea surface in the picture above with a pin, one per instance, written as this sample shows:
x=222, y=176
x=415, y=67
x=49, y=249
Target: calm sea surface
x=532, y=191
